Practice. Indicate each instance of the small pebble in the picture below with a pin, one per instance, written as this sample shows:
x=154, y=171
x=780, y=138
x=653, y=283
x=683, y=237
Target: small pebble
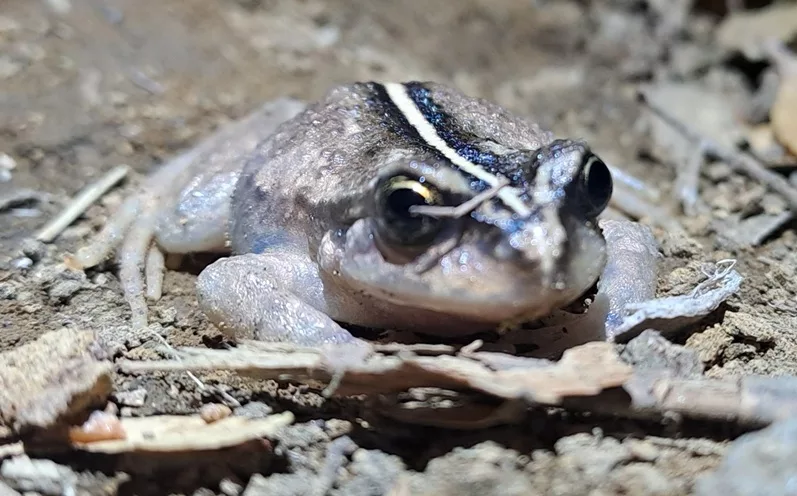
x=7, y=291
x=642, y=450
x=22, y=263
x=214, y=412
x=9, y=67
x=100, y=426
x=63, y=290
x=61, y=7
x=26, y=213
x=167, y=315
x=254, y=410
x=760, y=462
x=7, y=162
x=8, y=25
x=134, y=398
x=33, y=249
x=230, y=488
x=112, y=14
x=336, y=427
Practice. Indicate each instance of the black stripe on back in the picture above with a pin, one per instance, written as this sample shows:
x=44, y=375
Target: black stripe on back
x=463, y=143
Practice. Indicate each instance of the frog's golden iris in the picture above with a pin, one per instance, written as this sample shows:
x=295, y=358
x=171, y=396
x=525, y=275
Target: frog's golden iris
x=397, y=224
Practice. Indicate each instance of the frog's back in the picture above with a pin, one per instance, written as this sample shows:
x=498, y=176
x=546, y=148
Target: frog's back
x=313, y=157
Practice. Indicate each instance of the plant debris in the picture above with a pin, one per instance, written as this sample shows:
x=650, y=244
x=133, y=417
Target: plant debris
x=578, y=379
x=181, y=433
x=705, y=166
x=745, y=31
x=672, y=313
x=56, y=377
x=783, y=113
x=80, y=203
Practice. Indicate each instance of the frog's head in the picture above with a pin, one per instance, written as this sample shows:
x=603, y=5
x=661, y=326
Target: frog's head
x=523, y=252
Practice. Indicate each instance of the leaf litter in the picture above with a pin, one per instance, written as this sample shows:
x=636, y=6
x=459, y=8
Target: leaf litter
x=63, y=406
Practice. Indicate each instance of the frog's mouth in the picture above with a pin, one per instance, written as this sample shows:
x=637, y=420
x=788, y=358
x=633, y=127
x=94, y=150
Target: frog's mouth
x=470, y=280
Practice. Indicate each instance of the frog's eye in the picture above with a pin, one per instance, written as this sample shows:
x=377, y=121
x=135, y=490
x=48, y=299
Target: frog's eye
x=394, y=199
x=596, y=186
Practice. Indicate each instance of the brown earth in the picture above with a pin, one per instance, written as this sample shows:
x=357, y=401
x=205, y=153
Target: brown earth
x=86, y=85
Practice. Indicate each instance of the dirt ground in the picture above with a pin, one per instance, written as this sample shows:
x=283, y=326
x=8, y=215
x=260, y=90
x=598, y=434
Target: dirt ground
x=86, y=85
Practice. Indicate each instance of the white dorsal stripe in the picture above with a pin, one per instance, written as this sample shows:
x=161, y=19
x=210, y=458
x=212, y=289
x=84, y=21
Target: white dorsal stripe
x=398, y=94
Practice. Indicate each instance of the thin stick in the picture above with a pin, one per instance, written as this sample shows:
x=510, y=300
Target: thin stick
x=80, y=203
x=109, y=237
x=633, y=183
x=740, y=162
x=749, y=400
x=463, y=208
x=637, y=207
x=688, y=180
x=201, y=385
x=430, y=258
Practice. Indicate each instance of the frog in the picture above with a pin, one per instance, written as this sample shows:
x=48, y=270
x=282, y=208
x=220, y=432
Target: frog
x=408, y=206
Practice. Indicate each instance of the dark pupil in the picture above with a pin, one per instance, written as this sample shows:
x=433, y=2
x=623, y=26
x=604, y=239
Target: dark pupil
x=599, y=184
x=400, y=201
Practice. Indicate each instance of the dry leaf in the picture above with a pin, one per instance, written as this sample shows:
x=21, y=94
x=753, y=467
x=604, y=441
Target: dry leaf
x=100, y=426
x=672, y=313
x=590, y=377
x=60, y=374
x=745, y=30
x=584, y=370
x=766, y=147
x=783, y=114
x=708, y=112
x=176, y=433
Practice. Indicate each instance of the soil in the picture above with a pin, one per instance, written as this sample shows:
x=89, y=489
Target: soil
x=86, y=85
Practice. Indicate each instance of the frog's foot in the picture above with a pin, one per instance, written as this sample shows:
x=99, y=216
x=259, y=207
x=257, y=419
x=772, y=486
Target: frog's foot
x=269, y=297
x=132, y=230
x=631, y=270
x=156, y=214
x=182, y=208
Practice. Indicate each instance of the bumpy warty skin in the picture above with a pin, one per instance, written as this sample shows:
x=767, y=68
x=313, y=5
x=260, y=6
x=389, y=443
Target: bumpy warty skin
x=315, y=174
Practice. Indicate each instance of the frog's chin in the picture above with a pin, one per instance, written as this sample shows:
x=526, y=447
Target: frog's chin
x=466, y=281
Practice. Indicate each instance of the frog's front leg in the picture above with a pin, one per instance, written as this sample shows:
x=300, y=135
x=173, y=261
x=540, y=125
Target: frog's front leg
x=276, y=297
x=631, y=270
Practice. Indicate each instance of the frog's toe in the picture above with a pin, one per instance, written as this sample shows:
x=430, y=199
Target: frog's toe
x=131, y=230
x=132, y=262
x=109, y=238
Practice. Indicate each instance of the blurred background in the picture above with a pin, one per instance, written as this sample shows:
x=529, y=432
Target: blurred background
x=86, y=85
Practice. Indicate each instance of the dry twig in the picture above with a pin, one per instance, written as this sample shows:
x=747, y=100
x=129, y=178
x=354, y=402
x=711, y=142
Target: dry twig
x=736, y=159
x=80, y=203
x=590, y=377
